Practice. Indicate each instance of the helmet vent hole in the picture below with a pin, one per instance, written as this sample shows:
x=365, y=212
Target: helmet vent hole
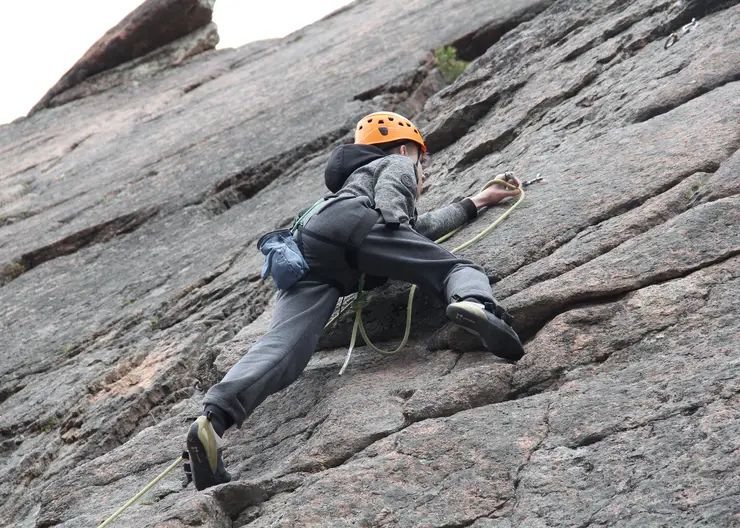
x=381, y=122
x=416, y=131
x=360, y=127
x=390, y=119
x=370, y=120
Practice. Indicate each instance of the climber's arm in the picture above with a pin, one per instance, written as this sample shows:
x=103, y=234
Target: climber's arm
x=436, y=224
x=395, y=187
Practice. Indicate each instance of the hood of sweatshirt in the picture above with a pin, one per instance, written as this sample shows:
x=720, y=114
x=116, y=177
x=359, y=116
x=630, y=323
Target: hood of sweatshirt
x=346, y=159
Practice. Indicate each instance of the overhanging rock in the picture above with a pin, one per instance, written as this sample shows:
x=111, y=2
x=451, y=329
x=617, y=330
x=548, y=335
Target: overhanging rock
x=183, y=27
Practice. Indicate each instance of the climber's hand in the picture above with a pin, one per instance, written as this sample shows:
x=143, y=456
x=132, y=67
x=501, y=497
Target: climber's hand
x=497, y=192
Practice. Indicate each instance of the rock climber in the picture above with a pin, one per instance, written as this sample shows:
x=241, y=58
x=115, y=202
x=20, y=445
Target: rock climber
x=369, y=225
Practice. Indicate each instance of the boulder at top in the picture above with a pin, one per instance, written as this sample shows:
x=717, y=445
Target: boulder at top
x=152, y=25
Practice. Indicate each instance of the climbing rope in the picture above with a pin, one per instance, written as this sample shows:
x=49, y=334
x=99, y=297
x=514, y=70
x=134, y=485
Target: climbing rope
x=359, y=302
x=139, y=495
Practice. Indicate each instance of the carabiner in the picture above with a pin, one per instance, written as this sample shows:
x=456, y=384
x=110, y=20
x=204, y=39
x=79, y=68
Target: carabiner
x=672, y=39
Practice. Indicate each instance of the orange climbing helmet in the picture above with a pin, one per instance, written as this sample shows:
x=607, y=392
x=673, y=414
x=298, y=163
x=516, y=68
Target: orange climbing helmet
x=386, y=127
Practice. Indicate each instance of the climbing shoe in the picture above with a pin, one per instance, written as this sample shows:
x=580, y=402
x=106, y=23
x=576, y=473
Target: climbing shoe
x=205, y=455
x=491, y=323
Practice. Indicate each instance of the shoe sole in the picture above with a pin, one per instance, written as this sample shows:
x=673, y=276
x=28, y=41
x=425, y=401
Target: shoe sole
x=198, y=442
x=498, y=337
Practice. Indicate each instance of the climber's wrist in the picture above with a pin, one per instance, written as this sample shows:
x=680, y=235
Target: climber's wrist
x=477, y=201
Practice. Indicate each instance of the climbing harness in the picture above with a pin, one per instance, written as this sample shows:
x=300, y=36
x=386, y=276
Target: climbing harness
x=675, y=37
x=360, y=300
x=358, y=305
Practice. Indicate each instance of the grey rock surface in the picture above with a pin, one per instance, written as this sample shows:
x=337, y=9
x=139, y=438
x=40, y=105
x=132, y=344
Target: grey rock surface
x=130, y=210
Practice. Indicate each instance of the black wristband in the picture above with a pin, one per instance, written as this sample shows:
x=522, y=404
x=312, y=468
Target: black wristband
x=471, y=211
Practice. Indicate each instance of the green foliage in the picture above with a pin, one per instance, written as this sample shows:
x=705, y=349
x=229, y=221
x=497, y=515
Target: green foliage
x=445, y=58
x=13, y=270
x=49, y=425
x=689, y=194
x=154, y=322
x=68, y=350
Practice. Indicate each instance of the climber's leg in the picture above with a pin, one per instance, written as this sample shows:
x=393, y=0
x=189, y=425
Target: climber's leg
x=403, y=254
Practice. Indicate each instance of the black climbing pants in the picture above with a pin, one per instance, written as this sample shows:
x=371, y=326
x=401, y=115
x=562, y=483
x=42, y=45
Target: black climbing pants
x=302, y=311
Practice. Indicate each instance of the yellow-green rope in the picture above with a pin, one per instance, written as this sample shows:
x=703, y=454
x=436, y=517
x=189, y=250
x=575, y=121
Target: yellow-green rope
x=359, y=301
x=142, y=492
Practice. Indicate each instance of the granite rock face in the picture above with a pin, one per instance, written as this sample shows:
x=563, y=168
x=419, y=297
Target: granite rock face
x=130, y=210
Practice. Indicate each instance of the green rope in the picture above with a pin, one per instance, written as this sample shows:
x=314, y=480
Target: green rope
x=142, y=492
x=360, y=301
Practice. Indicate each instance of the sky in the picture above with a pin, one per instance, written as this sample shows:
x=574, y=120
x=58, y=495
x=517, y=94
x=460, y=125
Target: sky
x=41, y=39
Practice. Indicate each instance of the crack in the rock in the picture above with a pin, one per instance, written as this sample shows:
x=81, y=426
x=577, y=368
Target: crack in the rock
x=464, y=117
x=97, y=234
x=406, y=82
x=307, y=432
x=196, y=298
x=18, y=173
x=24, y=372
x=660, y=109
x=36, y=211
x=620, y=27
x=701, y=504
x=471, y=522
x=247, y=183
x=685, y=410
x=458, y=357
x=474, y=44
x=6, y=391
x=522, y=467
x=557, y=378
x=534, y=114
x=339, y=461
x=611, y=214
x=535, y=324
x=29, y=144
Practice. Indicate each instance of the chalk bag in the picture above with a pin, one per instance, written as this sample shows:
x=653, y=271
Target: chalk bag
x=283, y=259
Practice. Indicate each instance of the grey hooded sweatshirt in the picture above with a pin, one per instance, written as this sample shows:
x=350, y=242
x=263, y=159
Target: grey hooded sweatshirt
x=390, y=182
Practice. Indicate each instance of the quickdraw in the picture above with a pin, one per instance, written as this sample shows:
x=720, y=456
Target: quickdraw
x=675, y=37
